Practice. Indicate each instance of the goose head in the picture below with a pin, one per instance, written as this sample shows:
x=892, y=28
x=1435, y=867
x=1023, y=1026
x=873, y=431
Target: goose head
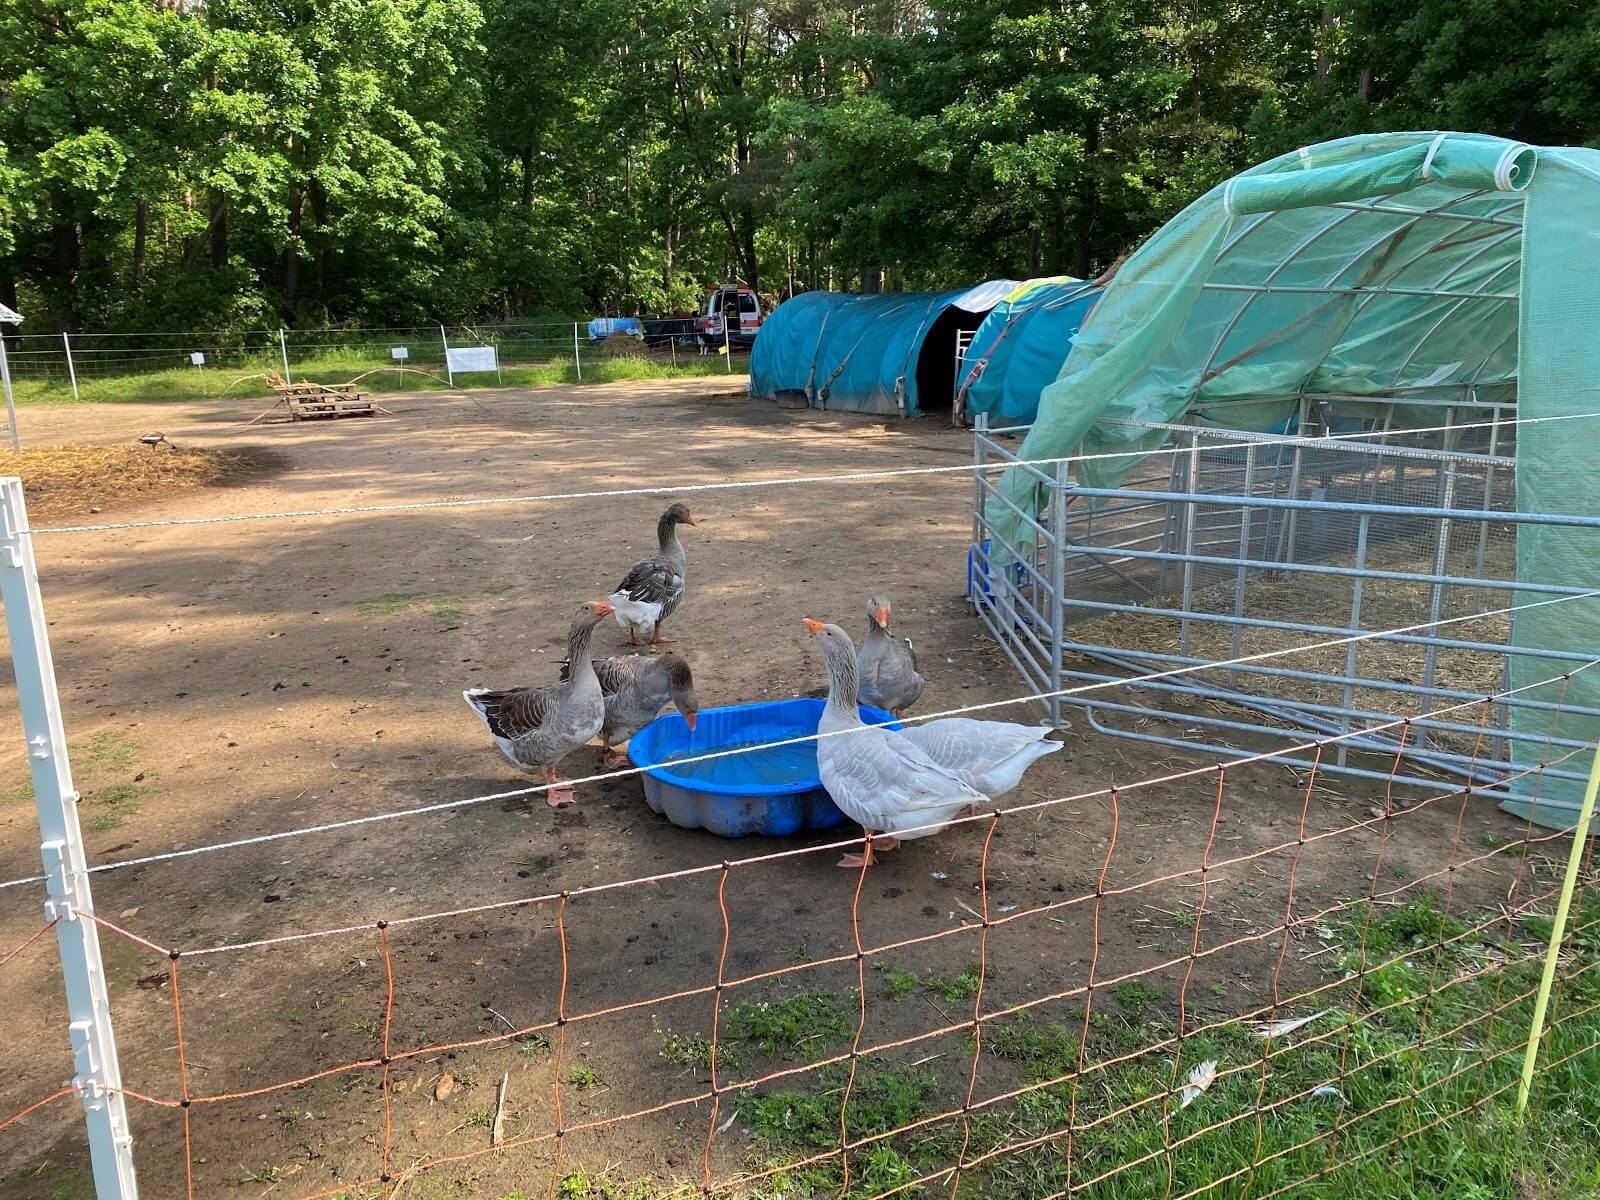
x=878, y=610
x=680, y=682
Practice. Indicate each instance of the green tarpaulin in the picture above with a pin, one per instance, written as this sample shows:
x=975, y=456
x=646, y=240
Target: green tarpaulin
x=1361, y=267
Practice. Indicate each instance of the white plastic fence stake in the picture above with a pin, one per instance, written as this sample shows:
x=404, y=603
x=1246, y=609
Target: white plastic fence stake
x=727, y=343
x=99, y=1075
x=449, y=374
x=11, y=403
x=283, y=346
x=72, y=371
x=577, y=362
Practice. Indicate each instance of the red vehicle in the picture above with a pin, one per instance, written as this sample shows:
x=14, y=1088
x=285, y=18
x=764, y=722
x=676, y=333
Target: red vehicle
x=738, y=309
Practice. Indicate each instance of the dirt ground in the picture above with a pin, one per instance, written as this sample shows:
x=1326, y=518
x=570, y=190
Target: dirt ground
x=229, y=680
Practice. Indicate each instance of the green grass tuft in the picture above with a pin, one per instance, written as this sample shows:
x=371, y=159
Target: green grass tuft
x=787, y=1024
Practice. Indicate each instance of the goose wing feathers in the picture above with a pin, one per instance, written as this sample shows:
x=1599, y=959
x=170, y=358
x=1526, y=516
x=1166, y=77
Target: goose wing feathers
x=516, y=712
x=653, y=581
x=888, y=784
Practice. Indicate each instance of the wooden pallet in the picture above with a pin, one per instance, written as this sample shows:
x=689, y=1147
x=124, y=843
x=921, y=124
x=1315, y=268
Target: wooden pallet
x=310, y=408
x=320, y=401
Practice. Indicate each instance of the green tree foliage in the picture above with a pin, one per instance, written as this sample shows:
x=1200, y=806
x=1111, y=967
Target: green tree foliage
x=240, y=163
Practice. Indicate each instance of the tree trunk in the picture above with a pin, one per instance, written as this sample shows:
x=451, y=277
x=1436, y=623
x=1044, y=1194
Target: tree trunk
x=219, y=232
x=527, y=175
x=291, y=252
x=1325, y=27
x=1088, y=205
x=871, y=280
x=1034, y=252
x=319, y=211
x=141, y=228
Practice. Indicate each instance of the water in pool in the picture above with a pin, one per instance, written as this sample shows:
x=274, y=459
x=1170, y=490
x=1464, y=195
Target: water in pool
x=772, y=767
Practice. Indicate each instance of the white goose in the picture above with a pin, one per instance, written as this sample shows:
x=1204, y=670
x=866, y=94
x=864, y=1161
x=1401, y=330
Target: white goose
x=988, y=756
x=877, y=776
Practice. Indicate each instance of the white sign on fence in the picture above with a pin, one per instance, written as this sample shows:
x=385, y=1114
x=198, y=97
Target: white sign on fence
x=198, y=359
x=399, y=353
x=472, y=358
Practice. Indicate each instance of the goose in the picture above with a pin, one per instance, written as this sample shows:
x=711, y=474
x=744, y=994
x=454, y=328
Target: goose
x=653, y=588
x=988, y=756
x=887, y=665
x=636, y=688
x=877, y=776
x=536, y=727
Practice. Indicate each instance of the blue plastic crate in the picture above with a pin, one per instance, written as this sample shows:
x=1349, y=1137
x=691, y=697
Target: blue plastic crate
x=767, y=793
x=978, y=573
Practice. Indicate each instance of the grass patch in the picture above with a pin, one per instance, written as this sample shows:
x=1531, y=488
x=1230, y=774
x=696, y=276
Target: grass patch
x=445, y=608
x=386, y=605
x=963, y=987
x=584, y=1077
x=533, y=1044
x=1390, y=1076
x=773, y=1025
x=693, y=1050
x=1134, y=996
x=47, y=1180
x=245, y=376
x=580, y=1185
x=112, y=805
x=897, y=980
x=109, y=750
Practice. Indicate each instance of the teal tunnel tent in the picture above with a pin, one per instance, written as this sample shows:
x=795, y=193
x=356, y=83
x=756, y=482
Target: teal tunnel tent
x=892, y=354
x=1018, y=350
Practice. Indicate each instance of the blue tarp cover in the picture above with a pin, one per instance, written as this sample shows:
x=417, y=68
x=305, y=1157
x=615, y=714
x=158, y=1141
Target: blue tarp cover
x=855, y=352
x=1018, y=350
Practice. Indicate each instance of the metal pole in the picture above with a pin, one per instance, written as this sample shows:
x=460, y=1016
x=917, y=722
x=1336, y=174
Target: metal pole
x=1541, y=1004
x=448, y=373
x=283, y=347
x=98, y=1080
x=577, y=360
x=11, y=404
x=72, y=371
x=1058, y=576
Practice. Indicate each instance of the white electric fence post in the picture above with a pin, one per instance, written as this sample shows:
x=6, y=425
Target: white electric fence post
x=577, y=362
x=98, y=1079
x=11, y=403
x=727, y=342
x=283, y=347
x=72, y=371
x=449, y=374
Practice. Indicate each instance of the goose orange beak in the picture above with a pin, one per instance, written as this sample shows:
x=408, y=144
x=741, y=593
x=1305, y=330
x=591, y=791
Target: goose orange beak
x=883, y=617
x=690, y=521
x=689, y=718
x=812, y=627
x=604, y=609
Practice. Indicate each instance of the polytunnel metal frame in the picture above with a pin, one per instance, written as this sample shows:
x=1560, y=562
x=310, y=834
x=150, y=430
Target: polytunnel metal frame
x=1224, y=507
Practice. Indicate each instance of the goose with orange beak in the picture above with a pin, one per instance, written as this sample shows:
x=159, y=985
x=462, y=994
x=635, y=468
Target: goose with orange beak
x=887, y=665
x=536, y=727
x=876, y=776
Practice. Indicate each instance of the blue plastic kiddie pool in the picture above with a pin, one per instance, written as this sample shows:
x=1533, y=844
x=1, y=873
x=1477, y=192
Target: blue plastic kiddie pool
x=768, y=793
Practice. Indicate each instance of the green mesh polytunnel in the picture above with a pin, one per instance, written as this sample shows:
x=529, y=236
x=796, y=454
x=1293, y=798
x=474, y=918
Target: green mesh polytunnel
x=891, y=353
x=1397, y=263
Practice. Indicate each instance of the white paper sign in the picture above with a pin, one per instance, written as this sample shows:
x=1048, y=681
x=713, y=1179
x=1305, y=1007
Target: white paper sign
x=399, y=352
x=198, y=359
x=473, y=358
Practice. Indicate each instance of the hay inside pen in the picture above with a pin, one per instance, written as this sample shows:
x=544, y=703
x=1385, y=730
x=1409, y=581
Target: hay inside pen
x=1300, y=597
x=72, y=481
